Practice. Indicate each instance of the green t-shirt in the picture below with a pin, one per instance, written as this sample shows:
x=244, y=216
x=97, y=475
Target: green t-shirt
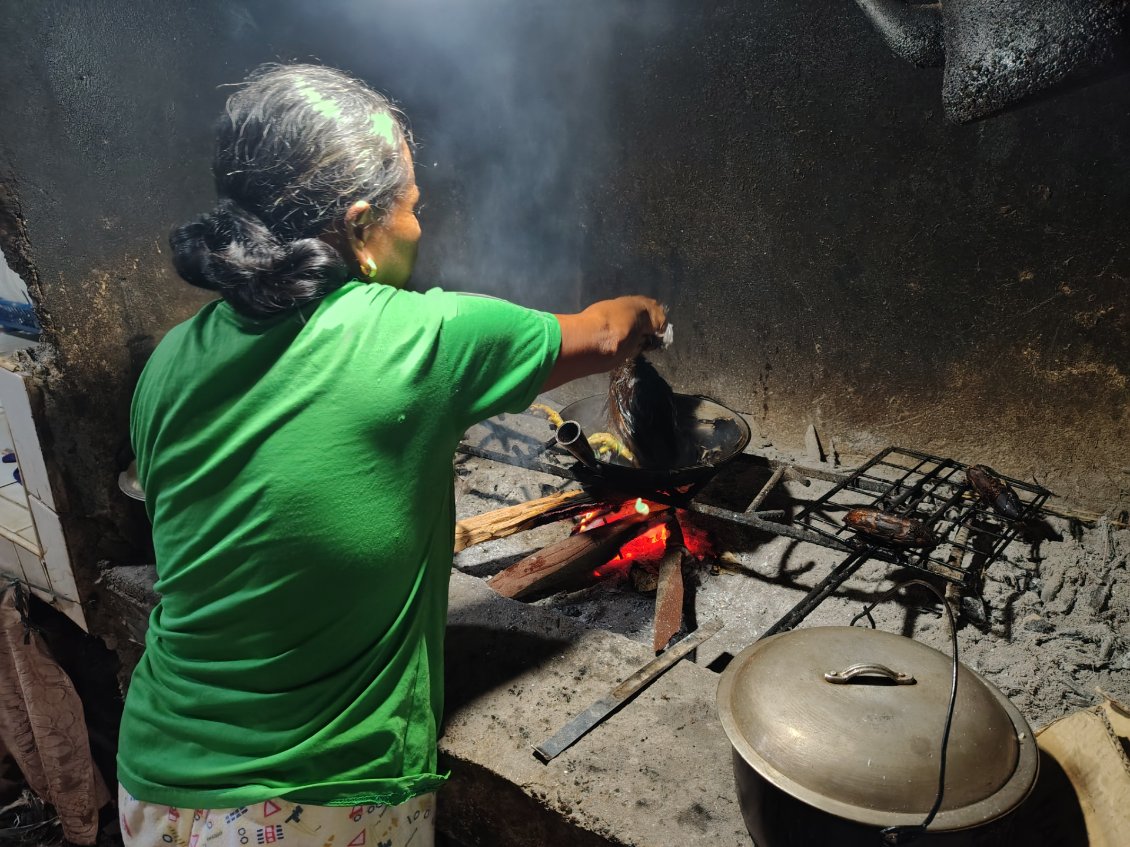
x=298, y=473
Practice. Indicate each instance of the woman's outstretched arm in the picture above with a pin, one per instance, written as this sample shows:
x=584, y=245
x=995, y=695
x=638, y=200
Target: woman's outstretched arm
x=604, y=335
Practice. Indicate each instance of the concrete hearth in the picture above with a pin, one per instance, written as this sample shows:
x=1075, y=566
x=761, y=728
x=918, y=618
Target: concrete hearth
x=656, y=773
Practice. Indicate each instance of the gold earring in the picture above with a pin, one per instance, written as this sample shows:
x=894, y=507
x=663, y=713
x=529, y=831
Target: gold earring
x=369, y=267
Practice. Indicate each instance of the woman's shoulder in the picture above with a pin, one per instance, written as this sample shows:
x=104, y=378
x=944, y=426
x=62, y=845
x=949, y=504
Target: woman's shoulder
x=173, y=341
x=426, y=316
x=358, y=301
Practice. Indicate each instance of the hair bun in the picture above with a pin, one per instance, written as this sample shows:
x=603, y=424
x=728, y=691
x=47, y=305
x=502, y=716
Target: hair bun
x=191, y=256
x=231, y=250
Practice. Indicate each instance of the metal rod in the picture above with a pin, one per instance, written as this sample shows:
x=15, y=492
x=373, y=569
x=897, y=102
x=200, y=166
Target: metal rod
x=841, y=485
x=916, y=488
x=813, y=473
x=622, y=693
x=516, y=461
x=818, y=594
x=769, y=485
x=757, y=520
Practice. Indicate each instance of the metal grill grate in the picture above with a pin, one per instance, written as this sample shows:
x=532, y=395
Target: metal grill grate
x=934, y=490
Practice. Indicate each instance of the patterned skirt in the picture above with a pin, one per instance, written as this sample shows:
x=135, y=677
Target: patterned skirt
x=282, y=822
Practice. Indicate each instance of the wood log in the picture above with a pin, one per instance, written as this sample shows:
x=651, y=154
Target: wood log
x=510, y=520
x=568, y=562
x=1081, y=515
x=669, y=597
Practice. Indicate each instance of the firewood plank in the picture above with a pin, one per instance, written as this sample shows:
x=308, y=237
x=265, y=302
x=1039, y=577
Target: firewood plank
x=669, y=597
x=568, y=561
x=510, y=520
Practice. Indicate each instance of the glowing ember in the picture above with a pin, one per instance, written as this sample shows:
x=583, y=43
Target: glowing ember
x=696, y=540
x=647, y=549
x=599, y=517
x=585, y=521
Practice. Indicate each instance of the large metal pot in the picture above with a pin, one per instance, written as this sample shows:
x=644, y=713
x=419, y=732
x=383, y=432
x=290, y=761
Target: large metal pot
x=837, y=734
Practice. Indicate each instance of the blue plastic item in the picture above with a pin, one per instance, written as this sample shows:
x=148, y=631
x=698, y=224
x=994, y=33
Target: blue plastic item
x=19, y=319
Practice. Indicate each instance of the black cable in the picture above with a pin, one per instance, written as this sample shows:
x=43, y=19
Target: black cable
x=908, y=833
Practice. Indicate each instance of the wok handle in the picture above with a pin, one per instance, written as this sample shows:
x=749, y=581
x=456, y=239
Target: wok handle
x=573, y=438
x=868, y=669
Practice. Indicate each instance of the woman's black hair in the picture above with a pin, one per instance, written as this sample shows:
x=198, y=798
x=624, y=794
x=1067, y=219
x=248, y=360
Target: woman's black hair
x=295, y=147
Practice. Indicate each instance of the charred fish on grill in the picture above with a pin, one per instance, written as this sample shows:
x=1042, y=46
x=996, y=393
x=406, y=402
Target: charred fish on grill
x=994, y=492
x=643, y=415
x=893, y=530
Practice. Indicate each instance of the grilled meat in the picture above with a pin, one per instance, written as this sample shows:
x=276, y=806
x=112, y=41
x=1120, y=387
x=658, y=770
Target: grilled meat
x=994, y=492
x=642, y=414
x=892, y=530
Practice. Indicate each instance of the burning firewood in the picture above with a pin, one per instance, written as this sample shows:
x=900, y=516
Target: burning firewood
x=510, y=520
x=566, y=562
x=669, y=597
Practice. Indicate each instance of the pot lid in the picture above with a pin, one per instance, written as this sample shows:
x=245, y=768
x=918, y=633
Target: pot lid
x=865, y=745
x=128, y=482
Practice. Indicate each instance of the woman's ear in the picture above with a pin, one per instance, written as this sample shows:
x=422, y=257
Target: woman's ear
x=357, y=217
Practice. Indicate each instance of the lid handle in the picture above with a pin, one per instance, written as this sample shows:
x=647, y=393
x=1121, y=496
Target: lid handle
x=868, y=669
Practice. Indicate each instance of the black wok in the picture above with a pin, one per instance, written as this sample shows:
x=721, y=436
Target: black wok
x=711, y=436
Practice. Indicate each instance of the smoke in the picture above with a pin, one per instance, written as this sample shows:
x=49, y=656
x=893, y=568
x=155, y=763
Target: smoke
x=513, y=106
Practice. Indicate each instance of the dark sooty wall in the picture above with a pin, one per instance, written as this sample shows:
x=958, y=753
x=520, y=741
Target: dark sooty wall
x=841, y=254
x=831, y=249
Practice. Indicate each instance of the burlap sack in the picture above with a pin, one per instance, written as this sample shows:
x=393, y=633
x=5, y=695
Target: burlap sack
x=42, y=725
x=1082, y=798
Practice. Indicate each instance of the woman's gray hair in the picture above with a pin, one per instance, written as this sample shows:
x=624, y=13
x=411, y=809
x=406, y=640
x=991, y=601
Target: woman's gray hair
x=295, y=147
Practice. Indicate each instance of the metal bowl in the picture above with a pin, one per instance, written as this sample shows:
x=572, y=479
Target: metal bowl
x=711, y=436
x=128, y=483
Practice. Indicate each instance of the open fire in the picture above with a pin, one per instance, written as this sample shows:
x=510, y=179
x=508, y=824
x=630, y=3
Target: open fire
x=644, y=541
x=648, y=549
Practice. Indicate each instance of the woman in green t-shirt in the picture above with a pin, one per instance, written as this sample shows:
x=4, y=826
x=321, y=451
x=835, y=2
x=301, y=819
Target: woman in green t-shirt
x=292, y=681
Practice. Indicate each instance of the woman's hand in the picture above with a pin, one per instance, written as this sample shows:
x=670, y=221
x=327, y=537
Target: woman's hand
x=604, y=335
